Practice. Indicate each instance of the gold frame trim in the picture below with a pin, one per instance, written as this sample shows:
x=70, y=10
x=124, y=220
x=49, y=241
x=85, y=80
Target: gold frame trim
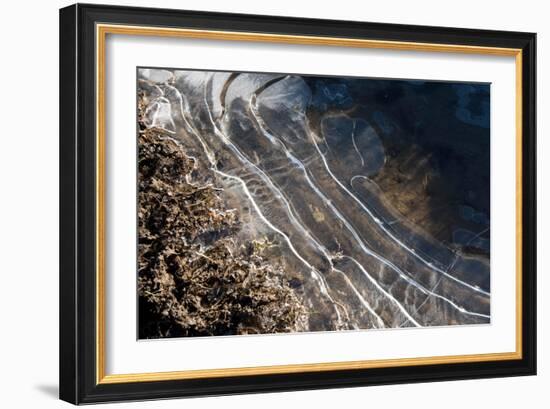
x=101, y=33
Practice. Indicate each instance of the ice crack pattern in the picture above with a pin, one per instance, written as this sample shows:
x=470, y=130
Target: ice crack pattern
x=354, y=183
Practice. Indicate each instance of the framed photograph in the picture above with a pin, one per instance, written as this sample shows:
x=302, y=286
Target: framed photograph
x=257, y=203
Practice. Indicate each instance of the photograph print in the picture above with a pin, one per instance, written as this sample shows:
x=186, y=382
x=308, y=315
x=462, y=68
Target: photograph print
x=283, y=203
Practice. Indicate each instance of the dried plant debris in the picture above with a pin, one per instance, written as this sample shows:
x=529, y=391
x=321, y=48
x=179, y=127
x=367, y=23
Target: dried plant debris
x=195, y=279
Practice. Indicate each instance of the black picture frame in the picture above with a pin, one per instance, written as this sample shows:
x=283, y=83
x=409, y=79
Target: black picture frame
x=78, y=198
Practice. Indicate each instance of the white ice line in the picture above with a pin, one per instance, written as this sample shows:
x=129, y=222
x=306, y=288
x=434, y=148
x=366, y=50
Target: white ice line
x=387, y=294
x=355, y=145
x=450, y=268
x=365, y=303
x=411, y=251
x=211, y=157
